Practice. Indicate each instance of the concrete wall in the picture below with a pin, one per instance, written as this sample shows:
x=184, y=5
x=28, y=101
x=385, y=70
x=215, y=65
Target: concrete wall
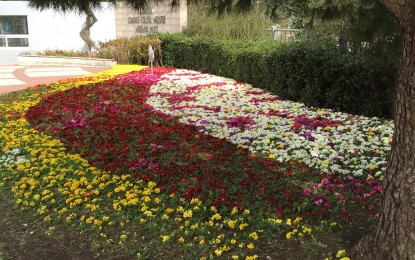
x=157, y=18
x=51, y=30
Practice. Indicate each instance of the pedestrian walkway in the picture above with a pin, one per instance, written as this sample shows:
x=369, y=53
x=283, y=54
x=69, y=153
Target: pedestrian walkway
x=17, y=77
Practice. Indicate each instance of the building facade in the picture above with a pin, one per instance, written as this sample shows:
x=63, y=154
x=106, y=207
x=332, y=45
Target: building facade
x=26, y=30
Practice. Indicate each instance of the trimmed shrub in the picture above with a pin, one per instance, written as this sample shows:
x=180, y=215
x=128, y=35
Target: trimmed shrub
x=314, y=73
x=130, y=50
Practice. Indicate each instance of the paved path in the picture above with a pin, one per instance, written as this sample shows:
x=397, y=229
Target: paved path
x=16, y=77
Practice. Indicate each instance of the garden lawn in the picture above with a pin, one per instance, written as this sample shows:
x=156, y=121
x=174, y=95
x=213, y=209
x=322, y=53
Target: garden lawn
x=180, y=163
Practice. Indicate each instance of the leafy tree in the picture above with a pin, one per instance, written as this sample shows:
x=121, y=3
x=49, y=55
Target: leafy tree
x=86, y=7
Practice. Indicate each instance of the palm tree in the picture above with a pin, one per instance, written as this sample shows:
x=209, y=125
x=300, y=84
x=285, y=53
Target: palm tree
x=86, y=7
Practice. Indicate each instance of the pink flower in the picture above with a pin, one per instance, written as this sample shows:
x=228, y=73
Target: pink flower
x=378, y=188
x=326, y=204
x=306, y=192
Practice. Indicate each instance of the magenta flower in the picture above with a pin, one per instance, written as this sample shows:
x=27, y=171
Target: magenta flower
x=306, y=192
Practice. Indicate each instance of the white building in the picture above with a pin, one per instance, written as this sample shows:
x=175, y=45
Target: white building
x=26, y=30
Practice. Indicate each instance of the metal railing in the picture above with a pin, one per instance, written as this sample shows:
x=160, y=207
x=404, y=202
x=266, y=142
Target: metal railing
x=286, y=34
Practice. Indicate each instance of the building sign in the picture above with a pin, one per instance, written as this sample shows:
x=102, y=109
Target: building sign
x=147, y=23
x=158, y=18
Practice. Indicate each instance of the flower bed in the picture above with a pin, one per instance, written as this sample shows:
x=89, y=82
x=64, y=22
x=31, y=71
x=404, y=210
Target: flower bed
x=178, y=163
x=333, y=142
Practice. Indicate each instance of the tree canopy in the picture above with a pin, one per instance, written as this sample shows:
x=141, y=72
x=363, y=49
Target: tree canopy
x=80, y=6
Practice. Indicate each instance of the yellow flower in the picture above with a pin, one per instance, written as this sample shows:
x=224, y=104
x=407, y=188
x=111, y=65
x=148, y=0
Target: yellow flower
x=373, y=167
x=216, y=216
x=188, y=213
x=340, y=253
x=344, y=258
x=97, y=222
x=89, y=220
x=181, y=240
x=250, y=246
x=194, y=227
x=231, y=223
x=307, y=230
x=288, y=235
x=242, y=226
x=195, y=201
x=297, y=220
x=254, y=235
x=165, y=238
x=151, y=184
x=235, y=257
x=218, y=252
x=277, y=221
x=123, y=236
x=234, y=210
x=201, y=242
x=233, y=241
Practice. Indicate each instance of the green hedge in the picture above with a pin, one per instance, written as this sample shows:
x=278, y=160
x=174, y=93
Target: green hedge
x=313, y=73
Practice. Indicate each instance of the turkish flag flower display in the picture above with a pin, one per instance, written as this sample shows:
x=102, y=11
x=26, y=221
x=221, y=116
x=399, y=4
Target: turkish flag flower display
x=112, y=125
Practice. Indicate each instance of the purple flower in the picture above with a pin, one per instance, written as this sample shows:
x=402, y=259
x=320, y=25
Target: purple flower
x=336, y=159
x=330, y=186
x=241, y=122
x=216, y=109
x=318, y=201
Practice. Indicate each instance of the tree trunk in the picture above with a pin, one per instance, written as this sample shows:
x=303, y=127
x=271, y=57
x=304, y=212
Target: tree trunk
x=86, y=31
x=394, y=235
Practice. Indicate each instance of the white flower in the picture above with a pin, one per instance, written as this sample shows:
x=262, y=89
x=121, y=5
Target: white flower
x=217, y=100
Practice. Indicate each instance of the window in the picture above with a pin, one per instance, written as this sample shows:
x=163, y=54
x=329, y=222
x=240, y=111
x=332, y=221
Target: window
x=13, y=31
x=18, y=42
x=13, y=24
